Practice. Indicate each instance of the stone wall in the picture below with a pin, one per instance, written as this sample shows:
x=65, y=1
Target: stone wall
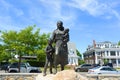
x=61, y=75
x=18, y=76
x=103, y=76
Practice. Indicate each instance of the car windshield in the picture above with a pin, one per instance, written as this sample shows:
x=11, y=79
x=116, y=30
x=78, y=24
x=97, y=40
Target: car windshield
x=86, y=65
x=96, y=67
x=108, y=69
x=112, y=69
x=28, y=64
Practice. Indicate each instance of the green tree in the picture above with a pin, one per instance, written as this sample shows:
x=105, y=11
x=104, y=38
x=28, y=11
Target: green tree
x=105, y=61
x=78, y=53
x=3, y=54
x=26, y=41
x=80, y=61
x=43, y=39
x=119, y=43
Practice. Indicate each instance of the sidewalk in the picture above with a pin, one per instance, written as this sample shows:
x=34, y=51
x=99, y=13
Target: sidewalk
x=2, y=71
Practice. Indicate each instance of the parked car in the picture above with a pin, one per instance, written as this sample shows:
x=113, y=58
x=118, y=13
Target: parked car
x=96, y=65
x=83, y=67
x=24, y=68
x=103, y=70
x=108, y=64
x=4, y=67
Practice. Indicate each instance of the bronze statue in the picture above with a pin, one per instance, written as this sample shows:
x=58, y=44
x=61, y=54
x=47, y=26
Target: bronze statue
x=60, y=36
x=49, y=57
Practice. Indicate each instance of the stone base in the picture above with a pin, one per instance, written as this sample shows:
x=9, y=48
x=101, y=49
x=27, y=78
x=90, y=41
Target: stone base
x=62, y=75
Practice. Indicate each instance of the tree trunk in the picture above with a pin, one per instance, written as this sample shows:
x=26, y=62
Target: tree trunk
x=19, y=63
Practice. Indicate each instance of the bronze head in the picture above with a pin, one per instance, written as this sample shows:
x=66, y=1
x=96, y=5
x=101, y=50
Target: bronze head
x=60, y=25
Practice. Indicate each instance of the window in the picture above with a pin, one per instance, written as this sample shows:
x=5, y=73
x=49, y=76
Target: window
x=106, y=45
x=22, y=65
x=86, y=65
x=98, y=53
x=107, y=53
x=118, y=61
x=117, y=53
x=103, y=69
x=112, y=53
x=113, y=61
x=108, y=69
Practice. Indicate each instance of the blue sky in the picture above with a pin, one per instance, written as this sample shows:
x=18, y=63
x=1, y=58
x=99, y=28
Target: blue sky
x=87, y=20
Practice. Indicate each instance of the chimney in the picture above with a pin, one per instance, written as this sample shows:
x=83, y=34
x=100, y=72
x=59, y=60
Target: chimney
x=94, y=44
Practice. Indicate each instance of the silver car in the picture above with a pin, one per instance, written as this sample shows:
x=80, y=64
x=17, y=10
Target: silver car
x=83, y=67
x=103, y=70
x=24, y=68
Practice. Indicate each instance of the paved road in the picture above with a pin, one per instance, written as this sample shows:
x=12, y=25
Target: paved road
x=82, y=73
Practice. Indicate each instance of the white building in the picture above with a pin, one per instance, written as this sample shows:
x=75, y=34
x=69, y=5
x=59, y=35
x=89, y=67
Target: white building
x=72, y=56
x=100, y=52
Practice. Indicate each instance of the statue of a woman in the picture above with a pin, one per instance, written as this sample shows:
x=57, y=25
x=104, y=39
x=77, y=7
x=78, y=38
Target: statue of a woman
x=61, y=50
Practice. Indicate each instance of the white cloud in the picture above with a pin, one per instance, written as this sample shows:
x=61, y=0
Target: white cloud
x=117, y=15
x=50, y=12
x=18, y=12
x=7, y=27
x=91, y=6
x=10, y=7
x=4, y=4
x=7, y=21
x=96, y=8
x=44, y=14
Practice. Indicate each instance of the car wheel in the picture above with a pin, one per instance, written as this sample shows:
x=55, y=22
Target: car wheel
x=99, y=73
x=13, y=71
x=78, y=70
x=34, y=71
